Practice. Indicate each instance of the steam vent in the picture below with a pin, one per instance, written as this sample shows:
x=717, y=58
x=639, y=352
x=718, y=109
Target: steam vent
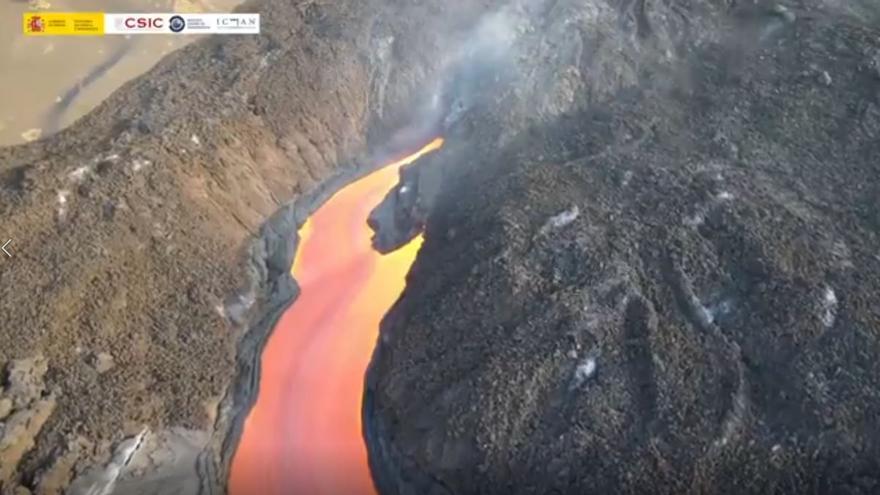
x=469, y=247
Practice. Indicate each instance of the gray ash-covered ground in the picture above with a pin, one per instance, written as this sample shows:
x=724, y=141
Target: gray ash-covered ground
x=672, y=287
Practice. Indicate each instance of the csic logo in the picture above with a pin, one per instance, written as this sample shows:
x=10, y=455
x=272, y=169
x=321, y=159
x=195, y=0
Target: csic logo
x=35, y=24
x=176, y=24
x=143, y=22
x=171, y=23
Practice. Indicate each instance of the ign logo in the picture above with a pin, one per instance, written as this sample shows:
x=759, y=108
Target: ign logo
x=176, y=24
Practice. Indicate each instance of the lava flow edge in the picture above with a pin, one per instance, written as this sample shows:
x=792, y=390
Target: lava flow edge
x=304, y=432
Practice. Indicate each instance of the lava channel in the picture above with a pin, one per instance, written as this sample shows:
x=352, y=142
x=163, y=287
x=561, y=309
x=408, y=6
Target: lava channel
x=303, y=434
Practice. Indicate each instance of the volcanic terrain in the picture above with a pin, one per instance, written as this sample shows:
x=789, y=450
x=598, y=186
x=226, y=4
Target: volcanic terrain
x=650, y=258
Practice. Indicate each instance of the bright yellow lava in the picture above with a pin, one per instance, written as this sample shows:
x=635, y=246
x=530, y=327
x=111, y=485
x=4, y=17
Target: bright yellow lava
x=303, y=435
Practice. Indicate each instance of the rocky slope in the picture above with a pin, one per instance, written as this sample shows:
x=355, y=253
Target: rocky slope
x=664, y=284
x=152, y=240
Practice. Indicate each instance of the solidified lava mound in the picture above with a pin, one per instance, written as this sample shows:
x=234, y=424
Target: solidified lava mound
x=670, y=287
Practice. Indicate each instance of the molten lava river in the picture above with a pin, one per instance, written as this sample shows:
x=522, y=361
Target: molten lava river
x=303, y=435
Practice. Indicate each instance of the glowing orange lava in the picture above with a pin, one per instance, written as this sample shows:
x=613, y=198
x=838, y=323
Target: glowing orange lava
x=303, y=435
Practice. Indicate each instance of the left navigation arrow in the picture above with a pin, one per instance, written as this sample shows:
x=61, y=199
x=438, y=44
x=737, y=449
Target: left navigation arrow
x=5, y=246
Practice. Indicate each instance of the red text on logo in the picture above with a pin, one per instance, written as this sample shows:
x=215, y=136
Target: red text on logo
x=143, y=22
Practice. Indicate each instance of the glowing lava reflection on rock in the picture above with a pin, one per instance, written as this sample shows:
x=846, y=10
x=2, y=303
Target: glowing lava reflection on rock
x=303, y=435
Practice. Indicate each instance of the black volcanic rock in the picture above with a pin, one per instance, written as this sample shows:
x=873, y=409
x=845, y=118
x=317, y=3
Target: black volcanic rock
x=669, y=287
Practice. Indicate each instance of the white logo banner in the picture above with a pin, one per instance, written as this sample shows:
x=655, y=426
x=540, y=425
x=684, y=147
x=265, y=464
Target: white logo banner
x=164, y=23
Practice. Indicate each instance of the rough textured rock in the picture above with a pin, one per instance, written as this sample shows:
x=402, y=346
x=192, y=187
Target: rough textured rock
x=159, y=229
x=668, y=287
x=650, y=259
x=25, y=406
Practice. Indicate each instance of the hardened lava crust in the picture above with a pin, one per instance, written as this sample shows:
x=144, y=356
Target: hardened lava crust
x=669, y=287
